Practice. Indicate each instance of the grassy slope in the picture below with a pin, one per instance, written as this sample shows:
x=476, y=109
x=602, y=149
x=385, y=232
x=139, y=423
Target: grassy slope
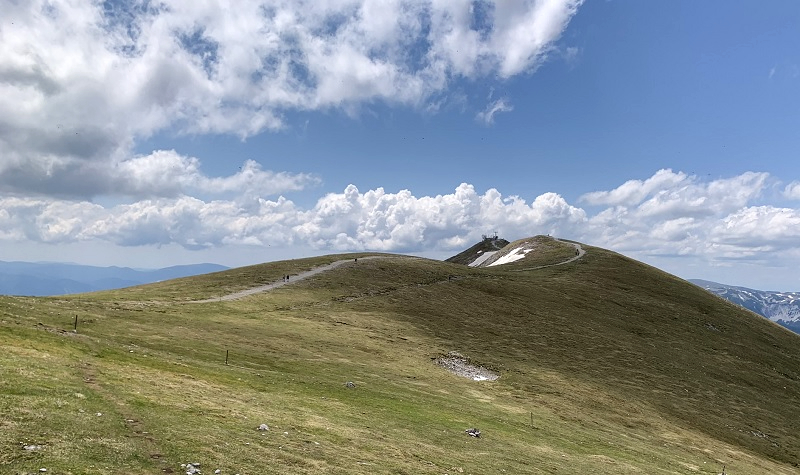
x=608, y=366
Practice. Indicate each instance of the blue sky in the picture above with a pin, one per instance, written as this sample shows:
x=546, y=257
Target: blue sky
x=159, y=133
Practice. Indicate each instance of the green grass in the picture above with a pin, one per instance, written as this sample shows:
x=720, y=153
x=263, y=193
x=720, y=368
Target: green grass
x=608, y=366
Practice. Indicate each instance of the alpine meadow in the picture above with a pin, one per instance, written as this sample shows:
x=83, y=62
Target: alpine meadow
x=606, y=366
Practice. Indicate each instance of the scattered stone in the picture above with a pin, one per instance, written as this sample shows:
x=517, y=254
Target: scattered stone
x=263, y=427
x=460, y=365
x=473, y=432
x=42, y=469
x=32, y=447
x=350, y=384
x=192, y=468
x=99, y=414
x=217, y=471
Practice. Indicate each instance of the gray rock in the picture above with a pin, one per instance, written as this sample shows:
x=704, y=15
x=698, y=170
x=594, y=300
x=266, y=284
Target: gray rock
x=350, y=384
x=193, y=468
x=263, y=427
x=32, y=447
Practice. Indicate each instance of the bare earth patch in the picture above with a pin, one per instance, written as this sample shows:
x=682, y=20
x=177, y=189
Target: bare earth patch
x=458, y=364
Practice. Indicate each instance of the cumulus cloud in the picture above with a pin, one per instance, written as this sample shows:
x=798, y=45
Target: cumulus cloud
x=633, y=192
x=759, y=227
x=487, y=115
x=339, y=221
x=162, y=173
x=683, y=216
x=792, y=190
x=678, y=194
x=167, y=173
x=675, y=214
x=81, y=82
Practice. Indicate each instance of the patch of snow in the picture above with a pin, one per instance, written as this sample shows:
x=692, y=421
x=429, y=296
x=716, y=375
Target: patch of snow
x=482, y=258
x=512, y=256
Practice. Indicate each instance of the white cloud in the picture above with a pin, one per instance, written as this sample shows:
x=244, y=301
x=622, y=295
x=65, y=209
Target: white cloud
x=633, y=192
x=792, y=190
x=339, y=221
x=674, y=214
x=162, y=173
x=759, y=226
x=677, y=194
x=487, y=115
x=81, y=82
x=166, y=173
x=571, y=55
x=712, y=223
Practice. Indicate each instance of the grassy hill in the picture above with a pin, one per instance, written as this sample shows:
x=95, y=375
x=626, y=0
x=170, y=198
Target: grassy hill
x=607, y=366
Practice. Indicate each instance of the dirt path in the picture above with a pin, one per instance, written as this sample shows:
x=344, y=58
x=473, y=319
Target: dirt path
x=275, y=285
x=334, y=265
x=581, y=252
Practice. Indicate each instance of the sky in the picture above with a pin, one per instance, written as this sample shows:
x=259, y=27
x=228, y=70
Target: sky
x=151, y=133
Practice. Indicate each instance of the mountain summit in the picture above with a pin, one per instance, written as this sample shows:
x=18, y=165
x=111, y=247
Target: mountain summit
x=481, y=251
x=528, y=253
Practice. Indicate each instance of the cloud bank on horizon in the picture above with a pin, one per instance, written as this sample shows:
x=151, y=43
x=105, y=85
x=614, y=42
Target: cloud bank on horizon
x=670, y=213
x=83, y=83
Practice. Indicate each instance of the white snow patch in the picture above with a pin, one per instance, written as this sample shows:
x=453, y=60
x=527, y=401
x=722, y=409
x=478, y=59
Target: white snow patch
x=482, y=258
x=512, y=256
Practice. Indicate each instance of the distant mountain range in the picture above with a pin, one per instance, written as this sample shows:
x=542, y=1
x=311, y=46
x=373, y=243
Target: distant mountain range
x=780, y=307
x=44, y=279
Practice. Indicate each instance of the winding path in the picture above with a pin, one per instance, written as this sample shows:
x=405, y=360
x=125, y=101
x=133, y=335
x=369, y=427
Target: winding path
x=334, y=265
x=275, y=285
x=581, y=252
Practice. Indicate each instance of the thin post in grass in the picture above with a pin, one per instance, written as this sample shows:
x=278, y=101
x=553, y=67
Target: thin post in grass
x=76, y=323
x=226, y=357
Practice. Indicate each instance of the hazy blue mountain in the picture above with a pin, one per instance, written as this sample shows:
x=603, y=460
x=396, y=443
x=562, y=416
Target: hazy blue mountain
x=45, y=278
x=780, y=307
